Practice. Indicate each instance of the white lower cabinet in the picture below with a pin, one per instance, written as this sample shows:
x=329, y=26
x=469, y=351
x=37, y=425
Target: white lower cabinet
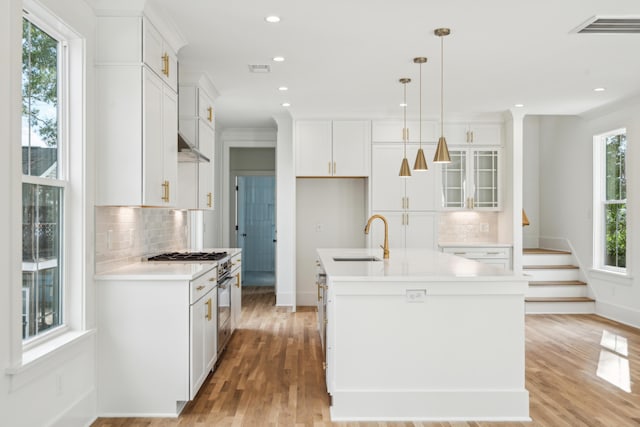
x=495, y=255
x=156, y=342
x=236, y=291
x=203, y=337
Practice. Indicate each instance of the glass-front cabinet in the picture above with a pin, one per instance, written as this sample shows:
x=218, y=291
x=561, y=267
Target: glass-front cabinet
x=472, y=180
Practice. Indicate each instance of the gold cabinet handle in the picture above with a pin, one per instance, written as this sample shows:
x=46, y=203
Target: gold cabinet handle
x=471, y=136
x=238, y=280
x=209, y=199
x=210, y=111
x=329, y=164
x=165, y=64
x=209, y=304
x=319, y=296
x=165, y=191
x=199, y=288
x=211, y=279
x=334, y=168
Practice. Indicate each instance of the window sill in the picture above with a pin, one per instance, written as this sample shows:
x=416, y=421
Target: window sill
x=612, y=276
x=49, y=349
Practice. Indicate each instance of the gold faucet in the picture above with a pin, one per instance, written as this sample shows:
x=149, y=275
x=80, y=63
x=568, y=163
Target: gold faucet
x=385, y=248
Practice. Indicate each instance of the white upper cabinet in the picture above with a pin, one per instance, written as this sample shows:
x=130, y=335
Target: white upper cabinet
x=138, y=111
x=159, y=56
x=473, y=134
x=351, y=148
x=196, y=177
x=327, y=148
x=472, y=180
x=391, y=131
x=392, y=192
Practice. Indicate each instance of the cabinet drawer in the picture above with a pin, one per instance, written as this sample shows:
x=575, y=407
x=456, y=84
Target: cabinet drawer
x=479, y=252
x=236, y=263
x=202, y=285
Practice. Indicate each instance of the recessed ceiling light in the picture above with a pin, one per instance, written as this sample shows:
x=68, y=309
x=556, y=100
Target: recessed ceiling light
x=403, y=105
x=283, y=88
x=278, y=58
x=272, y=19
x=599, y=89
x=519, y=105
x=286, y=104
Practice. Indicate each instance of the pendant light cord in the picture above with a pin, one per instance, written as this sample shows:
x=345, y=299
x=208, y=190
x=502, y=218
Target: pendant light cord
x=404, y=130
x=420, y=124
x=441, y=85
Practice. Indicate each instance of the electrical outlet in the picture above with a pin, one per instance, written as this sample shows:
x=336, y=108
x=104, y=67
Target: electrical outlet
x=416, y=295
x=319, y=228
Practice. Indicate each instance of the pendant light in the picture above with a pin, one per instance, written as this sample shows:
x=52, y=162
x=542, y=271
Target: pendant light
x=420, y=163
x=404, y=168
x=442, y=152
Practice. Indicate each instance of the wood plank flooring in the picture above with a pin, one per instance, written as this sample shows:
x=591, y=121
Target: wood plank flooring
x=271, y=374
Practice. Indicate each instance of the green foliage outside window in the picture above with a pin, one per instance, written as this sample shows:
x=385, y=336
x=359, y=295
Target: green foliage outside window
x=616, y=198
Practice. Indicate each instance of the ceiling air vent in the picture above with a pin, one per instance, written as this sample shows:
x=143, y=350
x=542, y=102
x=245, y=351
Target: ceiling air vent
x=611, y=25
x=259, y=68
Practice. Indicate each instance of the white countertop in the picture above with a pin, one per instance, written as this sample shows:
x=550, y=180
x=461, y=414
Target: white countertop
x=409, y=265
x=157, y=271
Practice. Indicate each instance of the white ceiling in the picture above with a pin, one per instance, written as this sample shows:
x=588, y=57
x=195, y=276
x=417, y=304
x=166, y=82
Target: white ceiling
x=343, y=58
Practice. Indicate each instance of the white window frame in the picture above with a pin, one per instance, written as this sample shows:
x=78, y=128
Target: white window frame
x=599, y=198
x=72, y=174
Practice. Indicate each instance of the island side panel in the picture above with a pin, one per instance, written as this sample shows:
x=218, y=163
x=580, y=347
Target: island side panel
x=455, y=355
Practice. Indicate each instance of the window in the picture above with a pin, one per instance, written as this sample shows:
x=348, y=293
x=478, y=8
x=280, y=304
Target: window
x=610, y=201
x=43, y=180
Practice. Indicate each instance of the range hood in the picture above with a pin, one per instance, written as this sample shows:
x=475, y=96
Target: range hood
x=188, y=152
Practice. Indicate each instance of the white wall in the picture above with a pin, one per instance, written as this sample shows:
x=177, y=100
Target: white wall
x=59, y=390
x=531, y=181
x=285, y=214
x=566, y=187
x=330, y=213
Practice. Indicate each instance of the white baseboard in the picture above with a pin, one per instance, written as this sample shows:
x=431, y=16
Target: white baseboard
x=285, y=299
x=626, y=315
x=307, y=299
x=82, y=413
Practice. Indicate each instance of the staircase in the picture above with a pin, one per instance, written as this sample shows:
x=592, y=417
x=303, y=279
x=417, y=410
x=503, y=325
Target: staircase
x=554, y=283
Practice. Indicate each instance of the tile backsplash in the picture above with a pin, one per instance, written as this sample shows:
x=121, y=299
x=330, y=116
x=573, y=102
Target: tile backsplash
x=468, y=227
x=124, y=234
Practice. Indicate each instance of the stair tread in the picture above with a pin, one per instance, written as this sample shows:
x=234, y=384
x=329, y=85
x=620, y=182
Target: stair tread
x=558, y=283
x=559, y=299
x=550, y=267
x=541, y=251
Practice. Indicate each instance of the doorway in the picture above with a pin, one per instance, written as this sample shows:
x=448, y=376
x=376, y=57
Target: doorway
x=256, y=228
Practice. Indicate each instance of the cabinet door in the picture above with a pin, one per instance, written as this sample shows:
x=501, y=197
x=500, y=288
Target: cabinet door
x=388, y=188
x=206, y=169
x=210, y=332
x=205, y=107
x=454, y=180
x=421, y=187
x=485, y=134
x=396, y=222
x=421, y=230
x=197, y=313
x=236, y=299
x=485, y=172
x=152, y=147
x=152, y=47
x=457, y=133
x=313, y=148
x=351, y=144
x=170, y=143
x=391, y=131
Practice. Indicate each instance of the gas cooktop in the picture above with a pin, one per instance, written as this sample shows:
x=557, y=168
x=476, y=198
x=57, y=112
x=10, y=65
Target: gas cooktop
x=189, y=256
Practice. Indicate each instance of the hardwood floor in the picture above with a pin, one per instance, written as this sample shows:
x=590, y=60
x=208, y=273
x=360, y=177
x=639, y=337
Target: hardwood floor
x=271, y=374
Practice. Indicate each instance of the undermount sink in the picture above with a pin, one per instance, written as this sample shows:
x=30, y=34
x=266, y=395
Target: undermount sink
x=357, y=258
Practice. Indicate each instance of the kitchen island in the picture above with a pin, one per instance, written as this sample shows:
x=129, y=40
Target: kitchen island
x=422, y=335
